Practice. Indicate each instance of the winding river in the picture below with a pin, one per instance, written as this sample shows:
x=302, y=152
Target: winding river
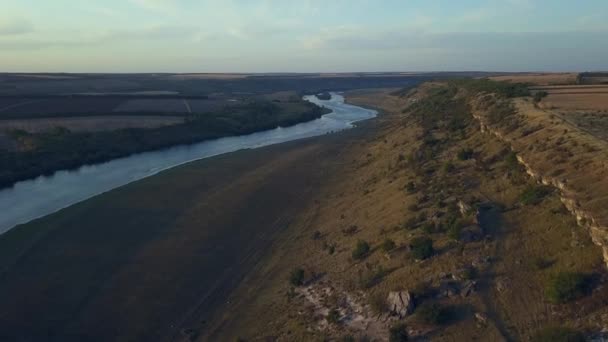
x=31, y=199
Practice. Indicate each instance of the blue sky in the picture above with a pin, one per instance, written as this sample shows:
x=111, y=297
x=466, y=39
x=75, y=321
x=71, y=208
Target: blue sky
x=303, y=36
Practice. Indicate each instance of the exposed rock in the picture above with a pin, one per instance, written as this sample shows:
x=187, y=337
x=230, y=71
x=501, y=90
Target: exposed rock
x=400, y=303
x=465, y=209
x=481, y=318
x=502, y=285
x=448, y=289
x=470, y=234
x=468, y=288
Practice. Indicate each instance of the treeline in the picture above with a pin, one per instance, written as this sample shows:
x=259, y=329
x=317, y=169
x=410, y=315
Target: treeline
x=59, y=149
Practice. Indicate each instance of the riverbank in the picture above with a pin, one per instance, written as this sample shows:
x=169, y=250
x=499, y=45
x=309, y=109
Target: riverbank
x=44, y=153
x=45, y=195
x=154, y=258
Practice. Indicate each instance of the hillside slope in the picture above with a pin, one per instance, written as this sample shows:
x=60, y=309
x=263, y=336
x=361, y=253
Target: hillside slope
x=434, y=208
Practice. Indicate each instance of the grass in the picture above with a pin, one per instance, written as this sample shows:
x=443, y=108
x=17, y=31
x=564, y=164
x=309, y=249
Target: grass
x=565, y=287
x=558, y=334
x=534, y=194
x=361, y=250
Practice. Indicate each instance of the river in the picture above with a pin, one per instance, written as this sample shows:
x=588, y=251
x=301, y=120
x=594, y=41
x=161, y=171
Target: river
x=31, y=199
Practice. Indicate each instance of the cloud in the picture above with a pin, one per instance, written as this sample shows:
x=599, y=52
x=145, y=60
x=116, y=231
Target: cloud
x=15, y=27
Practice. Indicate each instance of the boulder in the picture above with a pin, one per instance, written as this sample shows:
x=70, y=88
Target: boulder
x=400, y=303
x=468, y=288
x=447, y=289
x=481, y=318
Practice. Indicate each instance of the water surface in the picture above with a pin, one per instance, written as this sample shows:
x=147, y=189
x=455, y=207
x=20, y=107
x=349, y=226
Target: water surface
x=31, y=199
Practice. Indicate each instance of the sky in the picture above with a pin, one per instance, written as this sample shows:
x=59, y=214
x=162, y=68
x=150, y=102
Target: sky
x=302, y=36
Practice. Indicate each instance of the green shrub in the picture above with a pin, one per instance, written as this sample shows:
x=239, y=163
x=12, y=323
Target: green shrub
x=433, y=314
x=534, y=194
x=566, y=286
x=511, y=160
x=296, y=277
x=449, y=167
x=333, y=316
x=557, y=334
x=348, y=338
x=410, y=187
x=469, y=273
x=465, y=154
x=377, y=302
x=429, y=228
x=422, y=248
x=388, y=245
x=361, y=250
x=539, y=95
x=454, y=232
x=410, y=224
x=398, y=333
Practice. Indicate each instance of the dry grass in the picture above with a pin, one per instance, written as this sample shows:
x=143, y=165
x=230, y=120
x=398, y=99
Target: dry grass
x=577, y=101
x=540, y=78
x=369, y=195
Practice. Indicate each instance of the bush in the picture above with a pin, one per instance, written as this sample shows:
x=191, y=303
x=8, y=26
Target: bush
x=422, y=248
x=469, y=273
x=449, y=167
x=348, y=338
x=388, y=245
x=433, y=314
x=511, y=160
x=398, y=333
x=410, y=187
x=465, y=154
x=377, y=302
x=361, y=250
x=333, y=316
x=539, y=95
x=566, y=286
x=556, y=334
x=534, y=194
x=454, y=232
x=429, y=228
x=296, y=278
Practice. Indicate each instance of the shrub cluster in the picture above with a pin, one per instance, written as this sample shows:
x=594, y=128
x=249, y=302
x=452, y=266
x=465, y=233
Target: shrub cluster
x=361, y=250
x=558, y=334
x=566, y=286
x=422, y=248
